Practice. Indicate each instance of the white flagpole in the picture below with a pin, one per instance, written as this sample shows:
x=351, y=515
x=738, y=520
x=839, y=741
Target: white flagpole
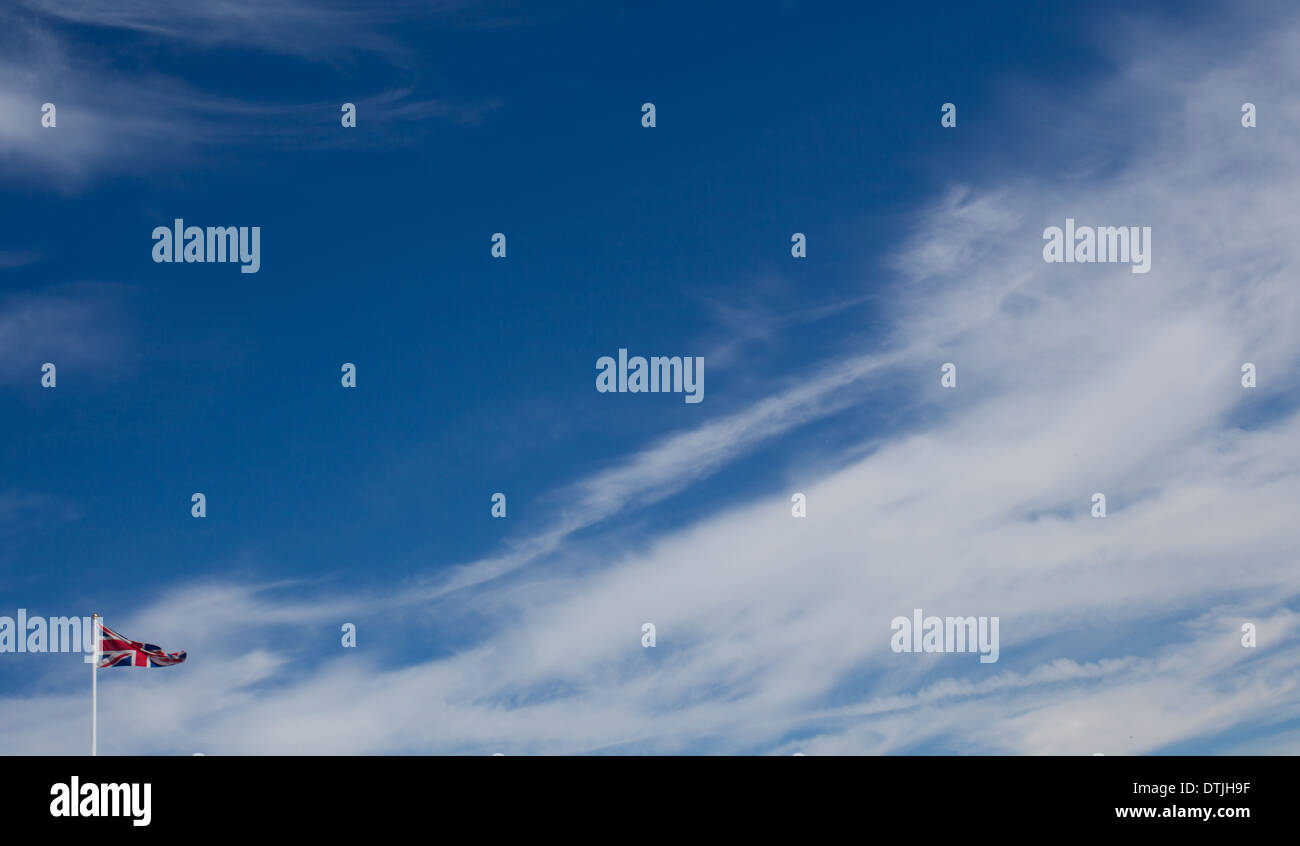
x=94, y=684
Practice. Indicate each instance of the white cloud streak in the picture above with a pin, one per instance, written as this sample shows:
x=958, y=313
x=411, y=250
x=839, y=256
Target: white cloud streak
x=113, y=120
x=1118, y=635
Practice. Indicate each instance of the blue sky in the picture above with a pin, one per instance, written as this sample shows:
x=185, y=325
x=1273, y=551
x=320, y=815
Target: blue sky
x=475, y=375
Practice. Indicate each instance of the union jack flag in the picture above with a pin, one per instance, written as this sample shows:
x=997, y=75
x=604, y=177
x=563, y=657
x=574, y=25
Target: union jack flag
x=117, y=651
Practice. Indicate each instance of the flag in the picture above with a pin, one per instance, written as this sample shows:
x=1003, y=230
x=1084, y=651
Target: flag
x=117, y=651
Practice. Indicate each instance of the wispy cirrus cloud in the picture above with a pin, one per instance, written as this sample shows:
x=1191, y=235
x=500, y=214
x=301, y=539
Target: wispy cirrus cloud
x=304, y=29
x=1119, y=635
x=114, y=116
x=81, y=326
